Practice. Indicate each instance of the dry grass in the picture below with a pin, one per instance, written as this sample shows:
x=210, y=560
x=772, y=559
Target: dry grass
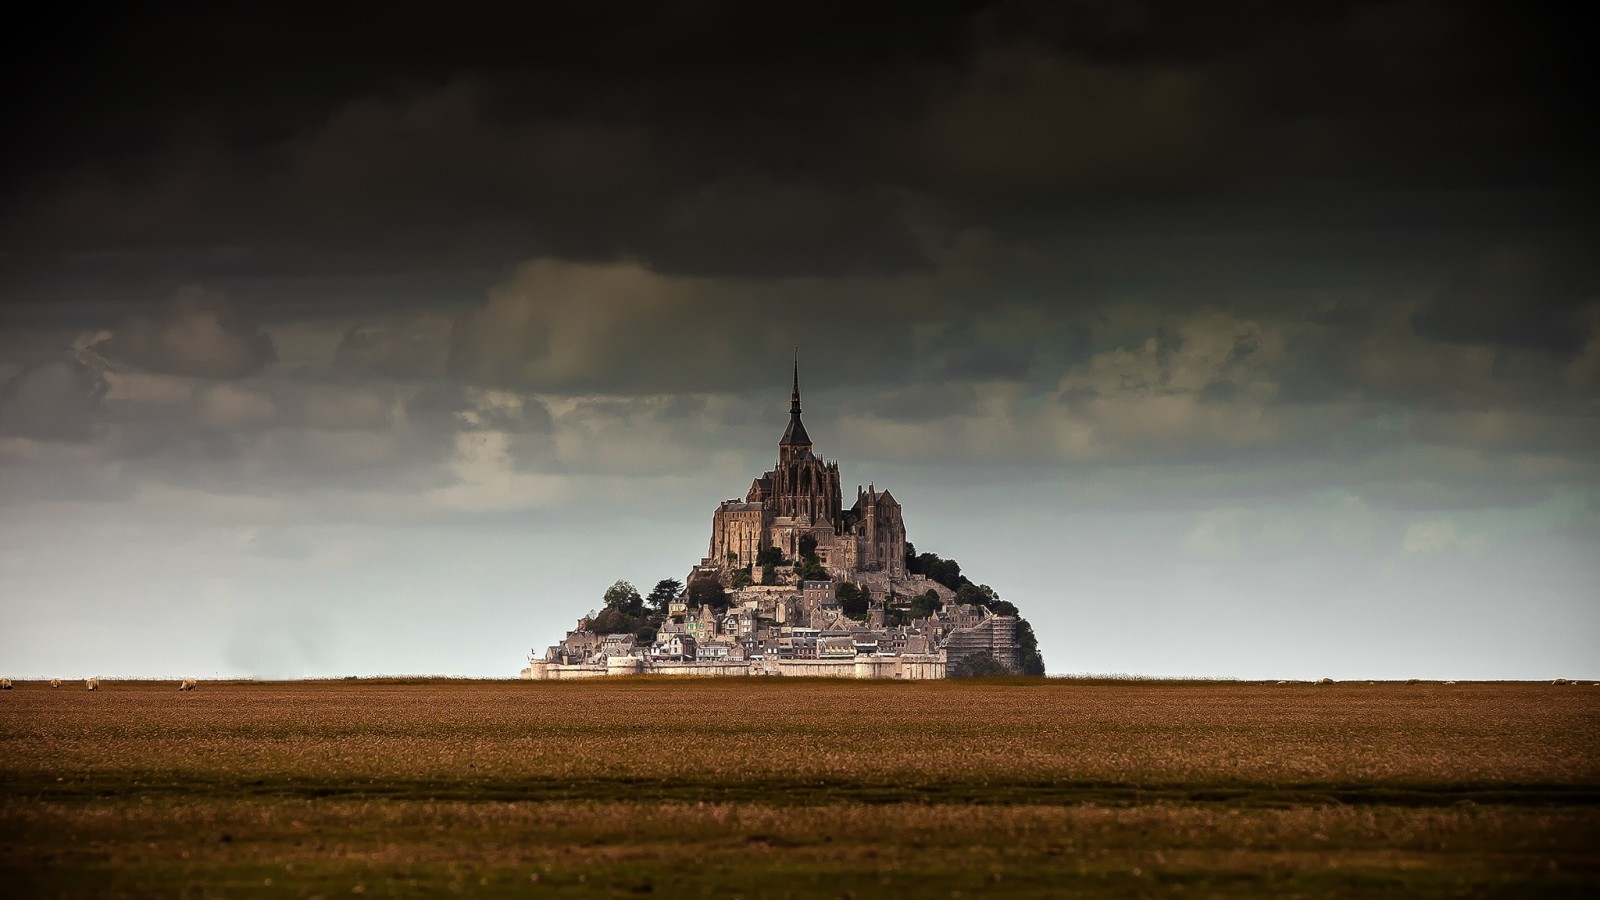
x=799, y=787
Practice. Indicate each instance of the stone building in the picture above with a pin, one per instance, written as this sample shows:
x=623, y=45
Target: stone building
x=992, y=634
x=801, y=497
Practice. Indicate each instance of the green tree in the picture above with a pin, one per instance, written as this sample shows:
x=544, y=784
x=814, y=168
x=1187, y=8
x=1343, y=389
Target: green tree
x=645, y=636
x=665, y=591
x=742, y=578
x=925, y=605
x=769, y=574
x=808, y=546
x=976, y=665
x=625, y=597
x=707, y=590
x=853, y=600
x=971, y=594
x=1028, y=649
x=811, y=569
x=612, y=620
x=769, y=556
x=945, y=571
x=983, y=595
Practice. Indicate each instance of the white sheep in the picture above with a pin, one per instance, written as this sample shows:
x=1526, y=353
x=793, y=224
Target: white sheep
x=186, y=685
x=55, y=682
x=5, y=684
x=1448, y=682
x=92, y=683
x=1561, y=681
x=1325, y=681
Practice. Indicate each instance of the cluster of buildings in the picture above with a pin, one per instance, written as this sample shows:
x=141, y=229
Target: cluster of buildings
x=785, y=630
x=775, y=622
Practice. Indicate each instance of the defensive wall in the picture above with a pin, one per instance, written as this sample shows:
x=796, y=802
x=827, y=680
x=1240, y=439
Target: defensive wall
x=911, y=667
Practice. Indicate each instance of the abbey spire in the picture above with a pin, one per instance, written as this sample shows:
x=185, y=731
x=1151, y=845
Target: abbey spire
x=795, y=435
x=797, y=507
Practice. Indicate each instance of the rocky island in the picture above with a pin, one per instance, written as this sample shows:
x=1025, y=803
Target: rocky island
x=794, y=583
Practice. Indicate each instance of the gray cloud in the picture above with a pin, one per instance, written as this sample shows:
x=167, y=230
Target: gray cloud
x=412, y=348
x=1525, y=296
x=1012, y=119
x=1027, y=119
x=625, y=328
x=198, y=332
x=55, y=400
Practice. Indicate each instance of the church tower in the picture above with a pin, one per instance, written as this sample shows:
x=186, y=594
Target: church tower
x=798, y=504
x=795, y=443
x=804, y=487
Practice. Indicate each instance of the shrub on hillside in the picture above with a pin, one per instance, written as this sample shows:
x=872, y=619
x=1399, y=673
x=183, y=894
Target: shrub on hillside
x=976, y=665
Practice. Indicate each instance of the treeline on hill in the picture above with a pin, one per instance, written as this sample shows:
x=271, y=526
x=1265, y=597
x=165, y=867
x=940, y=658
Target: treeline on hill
x=626, y=612
x=948, y=573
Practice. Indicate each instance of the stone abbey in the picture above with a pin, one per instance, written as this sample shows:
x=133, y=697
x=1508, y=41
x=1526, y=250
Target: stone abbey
x=800, y=498
x=794, y=583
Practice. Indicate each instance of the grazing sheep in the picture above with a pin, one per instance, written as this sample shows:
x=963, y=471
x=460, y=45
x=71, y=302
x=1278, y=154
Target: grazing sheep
x=1325, y=681
x=1413, y=681
x=92, y=683
x=1561, y=681
x=55, y=682
x=5, y=684
x=186, y=685
x=1448, y=682
x=1283, y=682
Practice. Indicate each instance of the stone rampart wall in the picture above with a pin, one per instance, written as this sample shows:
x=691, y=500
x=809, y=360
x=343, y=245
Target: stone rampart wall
x=910, y=667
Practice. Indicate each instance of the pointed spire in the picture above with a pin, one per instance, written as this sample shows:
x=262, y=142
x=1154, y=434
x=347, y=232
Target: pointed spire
x=795, y=434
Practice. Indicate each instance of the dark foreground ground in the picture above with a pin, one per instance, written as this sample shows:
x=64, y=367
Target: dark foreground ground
x=759, y=788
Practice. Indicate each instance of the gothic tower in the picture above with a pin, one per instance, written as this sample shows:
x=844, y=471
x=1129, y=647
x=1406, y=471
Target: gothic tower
x=803, y=487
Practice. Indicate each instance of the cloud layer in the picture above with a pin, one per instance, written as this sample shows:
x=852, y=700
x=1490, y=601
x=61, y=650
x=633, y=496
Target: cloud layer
x=1249, y=322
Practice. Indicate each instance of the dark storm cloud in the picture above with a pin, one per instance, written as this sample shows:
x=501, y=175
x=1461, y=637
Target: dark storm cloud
x=717, y=140
x=55, y=400
x=197, y=332
x=624, y=328
x=1093, y=230
x=413, y=348
x=1523, y=296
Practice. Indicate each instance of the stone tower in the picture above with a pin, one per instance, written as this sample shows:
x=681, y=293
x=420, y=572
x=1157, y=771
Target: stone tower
x=804, y=488
x=801, y=497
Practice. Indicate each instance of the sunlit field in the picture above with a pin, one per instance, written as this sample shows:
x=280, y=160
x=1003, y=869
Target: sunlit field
x=774, y=788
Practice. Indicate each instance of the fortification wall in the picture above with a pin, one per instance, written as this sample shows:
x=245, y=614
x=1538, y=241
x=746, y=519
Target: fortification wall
x=904, y=668
x=539, y=670
x=910, y=667
x=697, y=667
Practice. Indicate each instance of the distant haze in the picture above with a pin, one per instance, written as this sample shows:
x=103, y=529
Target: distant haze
x=1247, y=341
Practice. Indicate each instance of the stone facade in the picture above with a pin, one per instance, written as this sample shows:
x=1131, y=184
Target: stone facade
x=995, y=635
x=800, y=497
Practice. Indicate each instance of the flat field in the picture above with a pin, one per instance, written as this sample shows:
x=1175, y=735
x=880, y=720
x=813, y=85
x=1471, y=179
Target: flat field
x=778, y=788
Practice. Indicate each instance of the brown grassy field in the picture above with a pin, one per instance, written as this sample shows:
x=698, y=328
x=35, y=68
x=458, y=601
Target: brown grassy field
x=755, y=788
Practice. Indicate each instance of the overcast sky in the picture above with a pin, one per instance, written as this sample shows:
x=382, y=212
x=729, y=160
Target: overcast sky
x=1245, y=338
